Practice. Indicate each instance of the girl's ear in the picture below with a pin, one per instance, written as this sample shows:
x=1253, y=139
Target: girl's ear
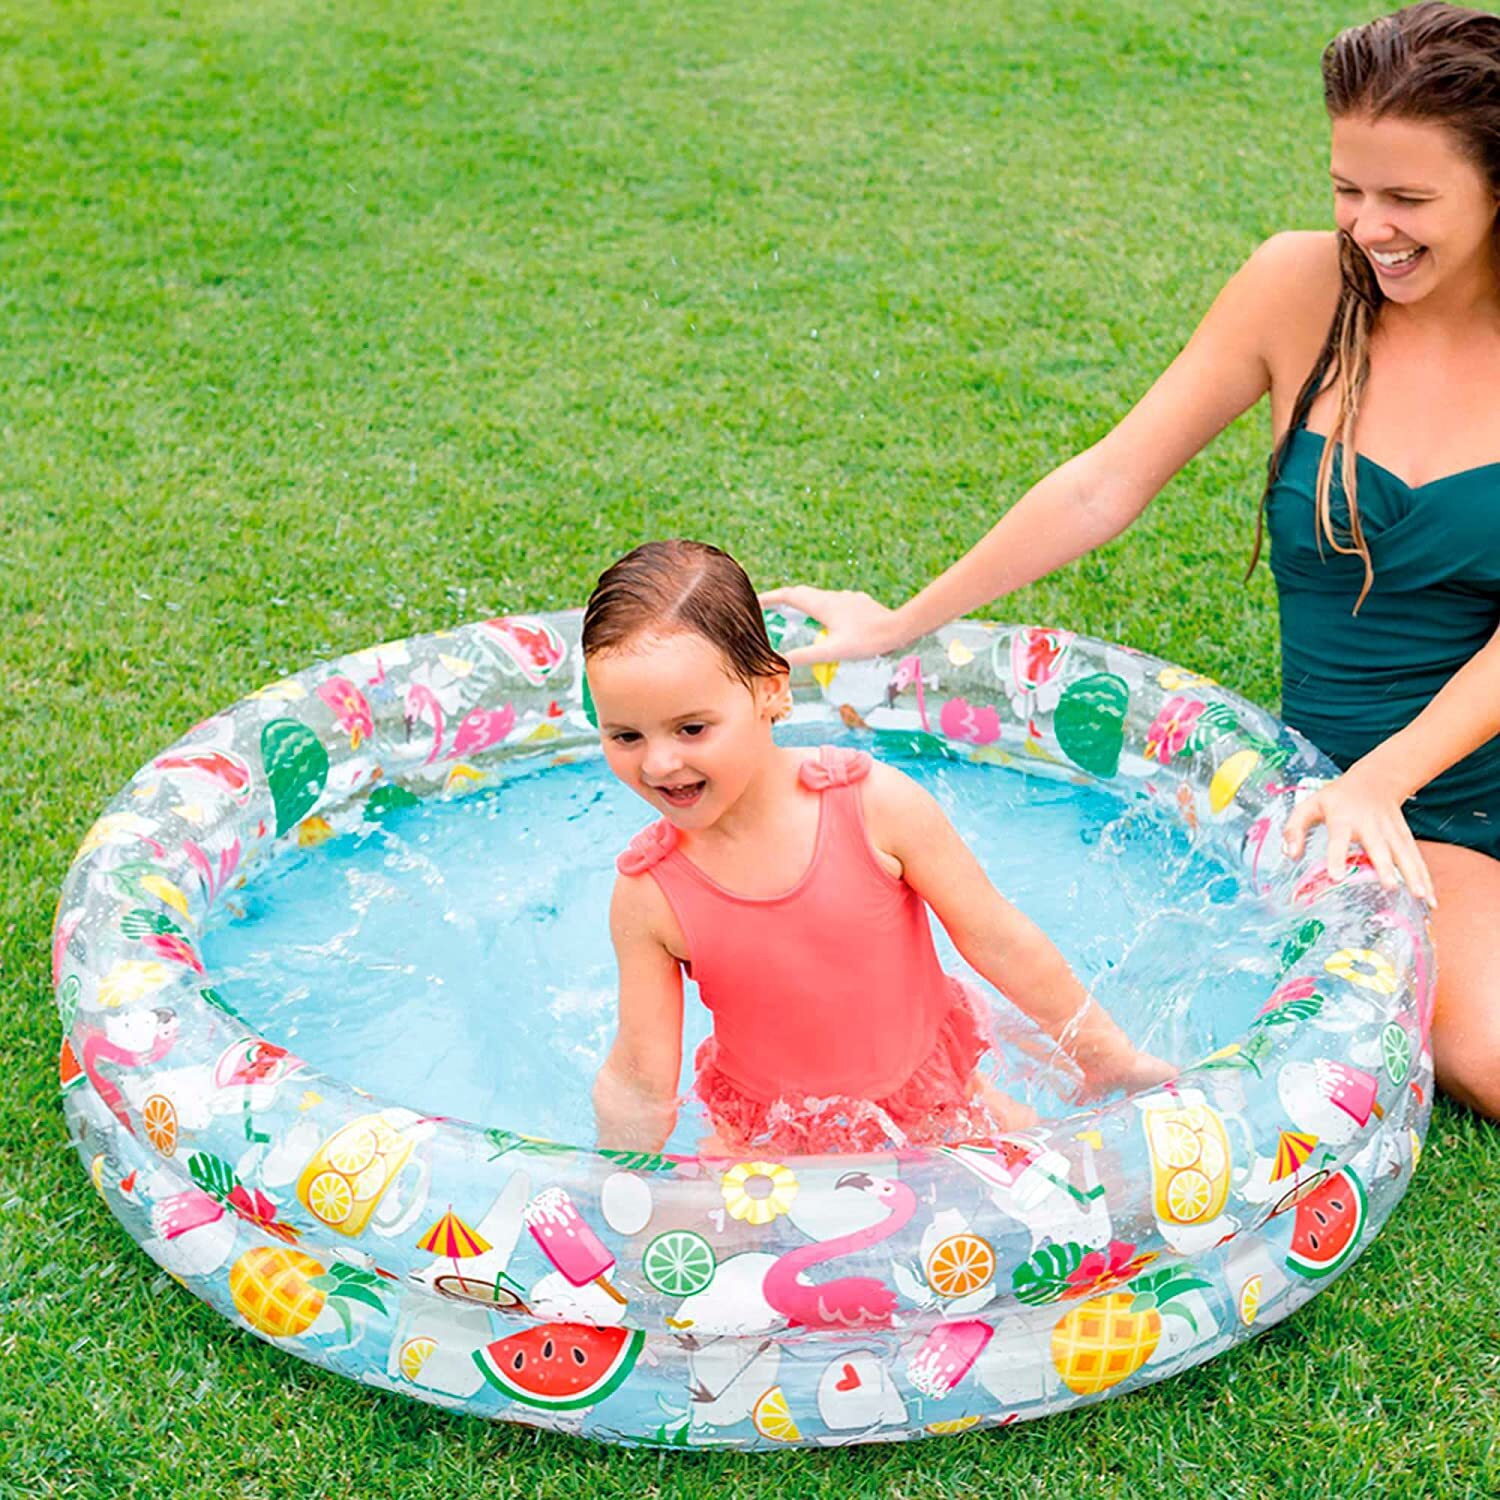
x=774, y=696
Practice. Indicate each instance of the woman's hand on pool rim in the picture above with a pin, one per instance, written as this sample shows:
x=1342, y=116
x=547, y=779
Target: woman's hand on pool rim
x=855, y=625
x=1360, y=807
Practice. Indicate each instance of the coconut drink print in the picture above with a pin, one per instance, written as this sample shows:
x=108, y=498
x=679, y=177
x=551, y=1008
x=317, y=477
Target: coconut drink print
x=482, y=1257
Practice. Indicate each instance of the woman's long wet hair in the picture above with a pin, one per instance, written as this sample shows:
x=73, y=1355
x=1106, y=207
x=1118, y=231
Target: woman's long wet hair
x=665, y=587
x=1433, y=62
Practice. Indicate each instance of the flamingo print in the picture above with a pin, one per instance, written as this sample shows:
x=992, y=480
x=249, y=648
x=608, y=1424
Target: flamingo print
x=909, y=674
x=849, y=1301
x=213, y=879
x=97, y=1048
x=477, y=730
x=480, y=728
x=422, y=700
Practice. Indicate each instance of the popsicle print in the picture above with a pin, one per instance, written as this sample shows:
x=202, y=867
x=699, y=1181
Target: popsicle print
x=568, y=1242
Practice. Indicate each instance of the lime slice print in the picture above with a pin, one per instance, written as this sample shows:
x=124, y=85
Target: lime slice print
x=679, y=1263
x=1395, y=1052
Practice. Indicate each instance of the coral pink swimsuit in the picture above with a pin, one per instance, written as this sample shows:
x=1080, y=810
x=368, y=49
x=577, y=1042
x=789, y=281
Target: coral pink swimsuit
x=835, y=1027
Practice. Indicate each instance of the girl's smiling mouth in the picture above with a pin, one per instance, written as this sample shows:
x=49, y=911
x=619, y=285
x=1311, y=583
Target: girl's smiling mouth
x=682, y=793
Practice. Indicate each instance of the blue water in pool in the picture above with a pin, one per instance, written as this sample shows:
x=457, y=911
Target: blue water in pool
x=455, y=957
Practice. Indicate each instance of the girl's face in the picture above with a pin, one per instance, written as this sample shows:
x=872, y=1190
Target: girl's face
x=678, y=729
x=1414, y=203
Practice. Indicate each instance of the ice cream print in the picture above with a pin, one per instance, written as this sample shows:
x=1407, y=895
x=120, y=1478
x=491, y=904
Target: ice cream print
x=733, y=1296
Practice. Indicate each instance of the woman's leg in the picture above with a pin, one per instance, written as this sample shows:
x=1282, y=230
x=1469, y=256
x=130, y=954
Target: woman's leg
x=1466, y=934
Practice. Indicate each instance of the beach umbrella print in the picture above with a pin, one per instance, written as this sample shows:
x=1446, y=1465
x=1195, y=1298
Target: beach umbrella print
x=451, y=1239
x=1293, y=1150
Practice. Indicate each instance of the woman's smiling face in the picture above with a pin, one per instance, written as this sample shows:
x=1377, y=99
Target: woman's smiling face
x=1415, y=203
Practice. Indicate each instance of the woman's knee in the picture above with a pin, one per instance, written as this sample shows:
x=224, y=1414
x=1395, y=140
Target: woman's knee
x=1466, y=1027
x=1468, y=1069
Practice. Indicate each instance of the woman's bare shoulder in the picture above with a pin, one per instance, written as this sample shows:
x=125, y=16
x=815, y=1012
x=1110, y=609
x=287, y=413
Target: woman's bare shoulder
x=1297, y=274
x=1292, y=286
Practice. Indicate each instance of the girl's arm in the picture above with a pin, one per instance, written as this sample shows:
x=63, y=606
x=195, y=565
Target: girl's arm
x=1363, y=806
x=1224, y=370
x=1002, y=944
x=635, y=1094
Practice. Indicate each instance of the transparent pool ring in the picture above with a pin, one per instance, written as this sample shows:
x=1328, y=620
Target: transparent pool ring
x=748, y=1302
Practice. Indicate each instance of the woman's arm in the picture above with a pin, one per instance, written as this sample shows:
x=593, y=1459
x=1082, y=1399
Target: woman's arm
x=1223, y=371
x=635, y=1094
x=1363, y=806
x=1000, y=943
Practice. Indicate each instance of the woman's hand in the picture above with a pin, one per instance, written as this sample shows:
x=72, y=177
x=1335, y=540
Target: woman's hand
x=1362, y=807
x=857, y=626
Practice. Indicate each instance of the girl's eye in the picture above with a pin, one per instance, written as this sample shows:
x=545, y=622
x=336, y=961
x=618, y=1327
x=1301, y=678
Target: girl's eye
x=693, y=729
x=1343, y=192
x=625, y=737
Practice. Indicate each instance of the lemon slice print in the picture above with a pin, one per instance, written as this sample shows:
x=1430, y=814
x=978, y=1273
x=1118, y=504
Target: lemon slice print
x=414, y=1354
x=1188, y=1195
x=772, y=1419
x=330, y=1197
x=369, y=1182
x=953, y=1425
x=354, y=1151
x=1213, y=1159
x=1177, y=1143
x=1249, y=1300
x=679, y=1263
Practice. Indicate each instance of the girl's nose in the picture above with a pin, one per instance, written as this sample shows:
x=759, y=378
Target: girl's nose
x=660, y=760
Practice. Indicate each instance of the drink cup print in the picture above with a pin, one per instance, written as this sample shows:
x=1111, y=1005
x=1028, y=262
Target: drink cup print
x=1191, y=1169
x=347, y=1186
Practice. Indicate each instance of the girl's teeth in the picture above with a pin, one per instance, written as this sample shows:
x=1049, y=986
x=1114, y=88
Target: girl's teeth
x=1398, y=258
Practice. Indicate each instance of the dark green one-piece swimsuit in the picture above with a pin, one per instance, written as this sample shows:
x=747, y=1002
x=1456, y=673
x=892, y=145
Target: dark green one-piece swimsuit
x=1350, y=681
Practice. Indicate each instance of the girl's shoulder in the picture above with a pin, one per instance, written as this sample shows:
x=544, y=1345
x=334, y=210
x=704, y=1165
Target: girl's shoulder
x=647, y=849
x=639, y=911
x=830, y=766
x=894, y=803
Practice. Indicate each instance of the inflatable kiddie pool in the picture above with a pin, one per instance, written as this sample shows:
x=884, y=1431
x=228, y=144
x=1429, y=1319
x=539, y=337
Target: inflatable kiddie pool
x=672, y=1300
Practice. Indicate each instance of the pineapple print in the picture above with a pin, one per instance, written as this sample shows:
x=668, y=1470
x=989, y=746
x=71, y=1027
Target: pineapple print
x=1101, y=1342
x=280, y=1291
x=273, y=1290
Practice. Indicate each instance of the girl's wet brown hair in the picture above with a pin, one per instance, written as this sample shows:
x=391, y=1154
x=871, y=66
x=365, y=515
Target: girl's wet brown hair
x=664, y=587
x=1431, y=62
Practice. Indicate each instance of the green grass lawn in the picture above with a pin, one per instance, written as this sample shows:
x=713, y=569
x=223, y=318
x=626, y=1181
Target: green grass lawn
x=322, y=324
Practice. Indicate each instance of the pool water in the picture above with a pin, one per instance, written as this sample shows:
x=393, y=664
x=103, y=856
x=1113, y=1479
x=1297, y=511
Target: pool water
x=455, y=956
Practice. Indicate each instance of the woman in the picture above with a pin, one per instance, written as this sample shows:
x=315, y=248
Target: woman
x=1379, y=346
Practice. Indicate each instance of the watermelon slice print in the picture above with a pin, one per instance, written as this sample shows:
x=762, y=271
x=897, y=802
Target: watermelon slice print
x=69, y=1069
x=1090, y=722
x=296, y=768
x=1328, y=1226
x=220, y=768
x=532, y=645
x=561, y=1366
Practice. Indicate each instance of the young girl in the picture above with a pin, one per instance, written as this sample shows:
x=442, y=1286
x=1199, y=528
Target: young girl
x=793, y=885
x=1379, y=346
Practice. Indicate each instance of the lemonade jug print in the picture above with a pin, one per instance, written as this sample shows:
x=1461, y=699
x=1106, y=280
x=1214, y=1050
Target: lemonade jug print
x=1191, y=1168
x=347, y=1185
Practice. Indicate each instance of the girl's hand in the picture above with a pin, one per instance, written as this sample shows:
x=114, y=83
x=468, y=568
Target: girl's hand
x=857, y=625
x=1361, y=807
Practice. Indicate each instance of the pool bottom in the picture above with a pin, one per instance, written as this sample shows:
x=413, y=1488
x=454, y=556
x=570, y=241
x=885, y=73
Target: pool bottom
x=455, y=955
